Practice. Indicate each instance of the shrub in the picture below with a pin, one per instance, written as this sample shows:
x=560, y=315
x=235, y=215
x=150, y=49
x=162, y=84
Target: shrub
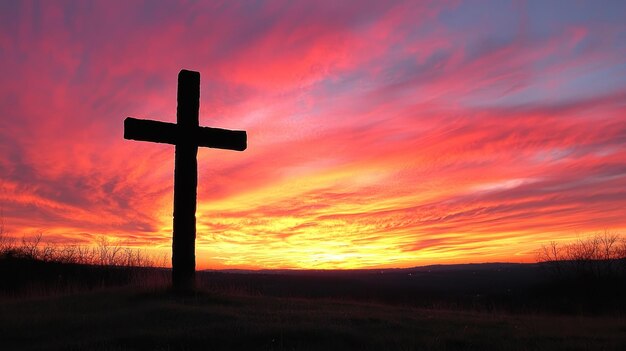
x=599, y=256
x=104, y=252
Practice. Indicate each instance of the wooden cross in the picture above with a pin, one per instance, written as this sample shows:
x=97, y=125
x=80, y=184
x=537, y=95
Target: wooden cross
x=187, y=135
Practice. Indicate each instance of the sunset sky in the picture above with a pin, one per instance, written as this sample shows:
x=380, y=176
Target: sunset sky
x=380, y=133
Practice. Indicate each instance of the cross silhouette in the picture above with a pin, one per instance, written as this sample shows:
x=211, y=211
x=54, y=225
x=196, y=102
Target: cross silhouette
x=187, y=135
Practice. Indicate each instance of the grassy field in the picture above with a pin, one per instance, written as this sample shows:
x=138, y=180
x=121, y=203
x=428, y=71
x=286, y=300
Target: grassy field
x=154, y=319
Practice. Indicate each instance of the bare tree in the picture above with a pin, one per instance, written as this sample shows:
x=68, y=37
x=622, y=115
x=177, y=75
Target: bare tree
x=608, y=254
x=48, y=253
x=3, y=238
x=552, y=255
x=105, y=252
x=30, y=246
x=109, y=252
x=621, y=249
x=6, y=244
x=598, y=256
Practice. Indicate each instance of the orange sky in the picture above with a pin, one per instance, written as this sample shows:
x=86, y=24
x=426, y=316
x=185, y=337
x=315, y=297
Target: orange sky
x=380, y=134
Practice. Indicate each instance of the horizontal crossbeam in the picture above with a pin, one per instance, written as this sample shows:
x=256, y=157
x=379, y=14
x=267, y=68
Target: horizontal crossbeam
x=170, y=133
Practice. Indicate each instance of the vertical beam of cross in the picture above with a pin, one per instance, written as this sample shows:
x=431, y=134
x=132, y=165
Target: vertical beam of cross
x=187, y=135
x=185, y=182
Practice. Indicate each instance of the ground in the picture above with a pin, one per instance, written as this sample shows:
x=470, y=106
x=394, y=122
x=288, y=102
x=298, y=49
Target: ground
x=155, y=319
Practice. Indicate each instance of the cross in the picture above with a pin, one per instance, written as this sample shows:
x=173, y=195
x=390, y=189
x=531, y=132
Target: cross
x=187, y=135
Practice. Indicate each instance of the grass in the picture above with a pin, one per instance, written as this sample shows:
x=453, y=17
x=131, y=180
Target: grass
x=154, y=319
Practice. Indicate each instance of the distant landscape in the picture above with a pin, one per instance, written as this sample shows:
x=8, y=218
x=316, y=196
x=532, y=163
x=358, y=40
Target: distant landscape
x=567, y=305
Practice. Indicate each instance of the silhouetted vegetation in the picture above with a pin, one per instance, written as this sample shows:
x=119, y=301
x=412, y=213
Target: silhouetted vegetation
x=599, y=257
x=105, y=252
x=587, y=275
x=33, y=267
x=584, y=277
